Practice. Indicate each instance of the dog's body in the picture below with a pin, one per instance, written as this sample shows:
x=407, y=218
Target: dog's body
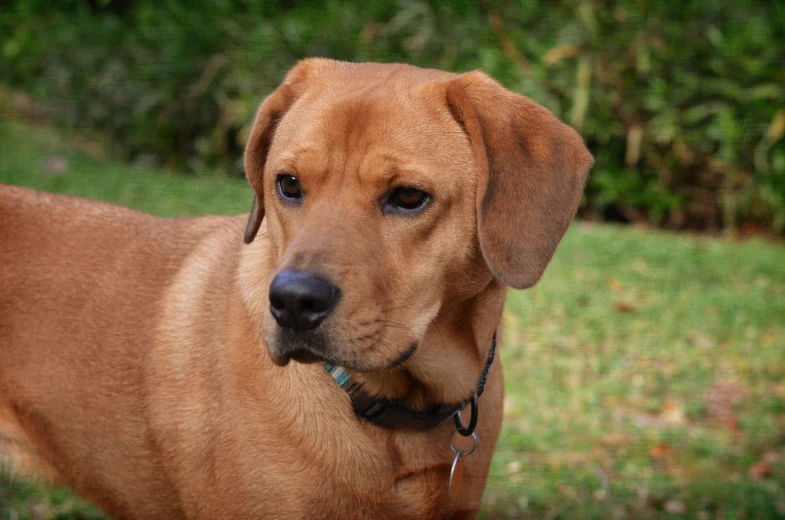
x=133, y=364
x=130, y=371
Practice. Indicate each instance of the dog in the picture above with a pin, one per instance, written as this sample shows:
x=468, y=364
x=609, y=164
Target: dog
x=145, y=362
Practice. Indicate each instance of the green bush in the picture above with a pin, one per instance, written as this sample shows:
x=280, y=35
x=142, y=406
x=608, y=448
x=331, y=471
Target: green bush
x=683, y=103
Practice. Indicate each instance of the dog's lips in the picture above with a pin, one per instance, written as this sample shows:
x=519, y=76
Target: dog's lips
x=300, y=355
x=312, y=348
x=305, y=356
x=282, y=355
x=284, y=345
x=279, y=358
x=403, y=356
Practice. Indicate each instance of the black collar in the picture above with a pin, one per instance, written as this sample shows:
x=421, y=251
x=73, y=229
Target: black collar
x=397, y=414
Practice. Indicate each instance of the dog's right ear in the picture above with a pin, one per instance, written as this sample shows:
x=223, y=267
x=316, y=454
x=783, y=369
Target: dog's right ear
x=254, y=220
x=267, y=118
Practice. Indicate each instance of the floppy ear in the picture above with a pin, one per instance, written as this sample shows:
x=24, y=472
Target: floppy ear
x=267, y=118
x=254, y=220
x=532, y=169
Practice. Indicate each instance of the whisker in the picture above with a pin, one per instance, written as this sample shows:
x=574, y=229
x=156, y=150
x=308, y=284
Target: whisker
x=399, y=307
x=366, y=336
x=391, y=300
x=399, y=325
x=441, y=338
x=373, y=346
x=447, y=324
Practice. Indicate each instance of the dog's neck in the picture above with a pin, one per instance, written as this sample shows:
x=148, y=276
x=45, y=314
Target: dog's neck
x=446, y=367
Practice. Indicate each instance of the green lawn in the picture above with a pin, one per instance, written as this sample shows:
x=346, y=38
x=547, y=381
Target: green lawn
x=645, y=374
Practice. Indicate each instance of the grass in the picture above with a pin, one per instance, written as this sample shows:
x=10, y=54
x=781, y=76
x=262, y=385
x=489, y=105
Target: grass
x=645, y=374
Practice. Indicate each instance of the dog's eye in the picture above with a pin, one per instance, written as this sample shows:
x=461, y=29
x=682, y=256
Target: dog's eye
x=289, y=187
x=405, y=200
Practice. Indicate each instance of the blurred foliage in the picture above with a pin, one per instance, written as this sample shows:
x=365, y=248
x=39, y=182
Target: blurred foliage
x=682, y=103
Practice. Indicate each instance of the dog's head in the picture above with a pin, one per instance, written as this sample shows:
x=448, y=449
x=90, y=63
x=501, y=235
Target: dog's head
x=392, y=194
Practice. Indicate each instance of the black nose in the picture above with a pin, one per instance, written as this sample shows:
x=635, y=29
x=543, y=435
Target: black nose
x=301, y=300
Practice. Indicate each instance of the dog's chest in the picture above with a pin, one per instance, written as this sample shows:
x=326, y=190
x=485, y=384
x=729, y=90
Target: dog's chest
x=327, y=481
x=376, y=494
x=402, y=480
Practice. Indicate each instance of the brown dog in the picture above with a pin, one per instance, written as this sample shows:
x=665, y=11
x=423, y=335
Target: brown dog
x=144, y=361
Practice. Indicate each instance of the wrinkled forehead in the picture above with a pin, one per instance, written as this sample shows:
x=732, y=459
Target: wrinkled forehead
x=398, y=121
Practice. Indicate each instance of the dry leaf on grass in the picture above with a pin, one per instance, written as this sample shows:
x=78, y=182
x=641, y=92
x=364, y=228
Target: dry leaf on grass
x=614, y=285
x=513, y=467
x=624, y=306
x=672, y=413
x=661, y=451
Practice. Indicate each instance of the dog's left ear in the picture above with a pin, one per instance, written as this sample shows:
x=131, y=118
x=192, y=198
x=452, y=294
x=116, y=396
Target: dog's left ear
x=532, y=169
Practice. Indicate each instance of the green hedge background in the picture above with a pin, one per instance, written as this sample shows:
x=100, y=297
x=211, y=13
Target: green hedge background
x=683, y=103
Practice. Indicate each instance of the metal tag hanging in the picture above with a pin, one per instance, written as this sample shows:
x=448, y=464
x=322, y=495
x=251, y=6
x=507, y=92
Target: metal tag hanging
x=456, y=472
x=456, y=477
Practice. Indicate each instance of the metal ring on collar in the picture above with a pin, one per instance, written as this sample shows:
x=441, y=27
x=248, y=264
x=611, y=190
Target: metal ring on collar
x=468, y=430
x=475, y=442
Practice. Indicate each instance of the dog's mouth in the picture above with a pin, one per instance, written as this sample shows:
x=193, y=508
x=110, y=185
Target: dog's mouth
x=305, y=347
x=305, y=356
x=314, y=347
x=403, y=356
x=301, y=355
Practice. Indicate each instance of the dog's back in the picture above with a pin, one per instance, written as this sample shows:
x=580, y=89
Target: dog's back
x=61, y=256
x=80, y=289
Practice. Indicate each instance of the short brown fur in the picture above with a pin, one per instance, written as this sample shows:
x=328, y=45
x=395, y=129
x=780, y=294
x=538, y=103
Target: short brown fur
x=139, y=363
